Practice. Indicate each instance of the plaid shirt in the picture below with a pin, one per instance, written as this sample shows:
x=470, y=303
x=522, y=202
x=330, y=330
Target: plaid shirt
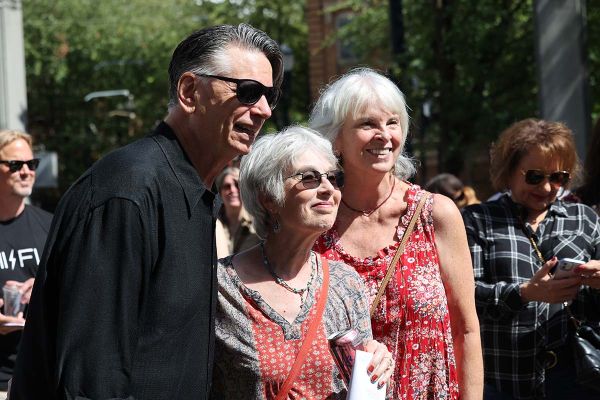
x=512, y=332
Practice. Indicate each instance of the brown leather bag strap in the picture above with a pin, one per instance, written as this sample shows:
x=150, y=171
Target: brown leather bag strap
x=392, y=266
x=310, y=335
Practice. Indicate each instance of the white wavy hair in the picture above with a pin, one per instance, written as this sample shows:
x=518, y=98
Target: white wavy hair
x=351, y=94
x=262, y=170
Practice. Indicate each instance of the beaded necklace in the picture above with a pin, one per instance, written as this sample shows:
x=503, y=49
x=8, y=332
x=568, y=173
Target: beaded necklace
x=301, y=292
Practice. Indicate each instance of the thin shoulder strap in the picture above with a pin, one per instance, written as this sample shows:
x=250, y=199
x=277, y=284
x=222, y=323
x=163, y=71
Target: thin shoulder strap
x=315, y=323
x=392, y=266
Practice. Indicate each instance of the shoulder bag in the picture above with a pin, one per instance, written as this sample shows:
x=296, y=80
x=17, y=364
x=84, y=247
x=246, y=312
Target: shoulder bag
x=310, y=335
x=392, y=266
x=585, y=342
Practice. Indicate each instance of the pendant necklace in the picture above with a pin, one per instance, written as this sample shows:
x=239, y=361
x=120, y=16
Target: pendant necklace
x=368, y=213
x=301, y=292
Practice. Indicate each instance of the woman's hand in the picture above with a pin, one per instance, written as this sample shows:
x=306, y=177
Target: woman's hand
x=589, y=273
x=382, y=364
x=543, y=287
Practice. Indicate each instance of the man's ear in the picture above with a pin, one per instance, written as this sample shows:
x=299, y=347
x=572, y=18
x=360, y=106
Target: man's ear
x=187, y=91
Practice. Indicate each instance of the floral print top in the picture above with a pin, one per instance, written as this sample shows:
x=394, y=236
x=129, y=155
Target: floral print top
x=256, y=347
x=412, y=317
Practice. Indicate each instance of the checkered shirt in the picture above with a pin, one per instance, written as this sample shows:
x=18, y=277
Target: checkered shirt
x=514, y=334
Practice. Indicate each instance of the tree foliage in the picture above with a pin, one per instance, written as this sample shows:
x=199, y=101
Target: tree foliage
x=76, y=47
x=471, y=63
x=593, y=55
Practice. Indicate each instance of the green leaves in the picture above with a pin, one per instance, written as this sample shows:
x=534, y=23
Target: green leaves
x=75, y=47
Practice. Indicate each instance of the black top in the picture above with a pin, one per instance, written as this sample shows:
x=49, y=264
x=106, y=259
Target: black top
x=21, y=244
x=514, y=333
x=124, y=300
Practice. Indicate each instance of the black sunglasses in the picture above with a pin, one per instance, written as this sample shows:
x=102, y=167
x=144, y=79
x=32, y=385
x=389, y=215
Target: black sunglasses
x=313, y=179
x=249, y=91
x=16, y=165
x=536, y=176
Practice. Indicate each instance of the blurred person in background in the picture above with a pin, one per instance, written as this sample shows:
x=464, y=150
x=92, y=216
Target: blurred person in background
x=470, y=196
x=589, y=191
x=515, y=242
x=23, y=232
x=452, y=187
x=427, y=315
x=269, y=295
x=234, y=231
x=124, y=301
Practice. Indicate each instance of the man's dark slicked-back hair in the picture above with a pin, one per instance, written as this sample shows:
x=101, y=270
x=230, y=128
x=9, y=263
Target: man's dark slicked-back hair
x=199, y=52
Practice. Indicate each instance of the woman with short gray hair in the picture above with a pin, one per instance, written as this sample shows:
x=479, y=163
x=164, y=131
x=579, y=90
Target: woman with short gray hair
x=272, y=295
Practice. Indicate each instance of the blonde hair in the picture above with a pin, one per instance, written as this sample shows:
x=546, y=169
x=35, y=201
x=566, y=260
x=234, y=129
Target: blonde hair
x=7, y=136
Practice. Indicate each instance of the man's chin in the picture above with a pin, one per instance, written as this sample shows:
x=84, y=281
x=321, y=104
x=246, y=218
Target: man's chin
x=23, y=192
x=242, y=147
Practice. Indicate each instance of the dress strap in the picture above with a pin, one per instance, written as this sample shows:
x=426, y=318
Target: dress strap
x=414, y=195
x=392, y=266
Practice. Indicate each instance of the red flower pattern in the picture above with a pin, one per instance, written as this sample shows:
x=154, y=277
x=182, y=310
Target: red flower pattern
x=412, y=318
x=276, y=356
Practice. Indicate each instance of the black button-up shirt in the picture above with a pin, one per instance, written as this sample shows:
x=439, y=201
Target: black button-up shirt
x=514, y=333
x=124, y=299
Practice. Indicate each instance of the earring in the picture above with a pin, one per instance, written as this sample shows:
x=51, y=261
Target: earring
x=276, y=226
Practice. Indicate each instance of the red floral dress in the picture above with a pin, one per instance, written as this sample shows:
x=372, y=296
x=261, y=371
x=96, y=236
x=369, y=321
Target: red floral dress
x=412, y=318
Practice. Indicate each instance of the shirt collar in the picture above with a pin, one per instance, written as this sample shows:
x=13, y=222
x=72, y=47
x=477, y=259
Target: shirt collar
x=191, y=184
x=556, y=208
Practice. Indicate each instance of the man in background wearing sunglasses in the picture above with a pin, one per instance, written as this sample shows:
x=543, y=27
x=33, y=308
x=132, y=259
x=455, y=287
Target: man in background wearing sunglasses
x=123, y=304
x=23, y=231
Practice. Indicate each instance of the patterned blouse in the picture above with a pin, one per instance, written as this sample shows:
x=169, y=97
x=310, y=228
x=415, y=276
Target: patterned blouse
x=412, y=318
x=256, y=347
x=514, y=333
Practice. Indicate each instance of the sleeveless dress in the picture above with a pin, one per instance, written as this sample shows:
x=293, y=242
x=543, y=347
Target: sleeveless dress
x=412, y=317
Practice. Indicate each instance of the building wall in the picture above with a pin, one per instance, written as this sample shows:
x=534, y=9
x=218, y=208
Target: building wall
x=324, y=63
x=327, y=61
x=13, y=94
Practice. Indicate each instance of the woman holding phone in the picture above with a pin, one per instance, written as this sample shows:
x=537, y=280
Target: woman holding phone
x=516, y=243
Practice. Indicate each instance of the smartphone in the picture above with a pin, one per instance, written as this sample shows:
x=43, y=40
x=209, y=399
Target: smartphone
x=565, y=267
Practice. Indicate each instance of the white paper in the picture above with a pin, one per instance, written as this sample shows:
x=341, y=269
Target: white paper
x=361, y=387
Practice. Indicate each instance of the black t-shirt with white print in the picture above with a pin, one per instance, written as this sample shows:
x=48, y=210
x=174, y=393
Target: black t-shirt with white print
x=22, y=241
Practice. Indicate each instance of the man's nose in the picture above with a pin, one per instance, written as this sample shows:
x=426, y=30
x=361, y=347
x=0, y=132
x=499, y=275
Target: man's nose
x=262, y=108
x=25, y=170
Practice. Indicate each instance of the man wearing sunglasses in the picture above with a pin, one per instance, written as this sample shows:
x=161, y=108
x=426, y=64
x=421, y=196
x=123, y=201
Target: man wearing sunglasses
x=23, y=231
x=123, y=304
